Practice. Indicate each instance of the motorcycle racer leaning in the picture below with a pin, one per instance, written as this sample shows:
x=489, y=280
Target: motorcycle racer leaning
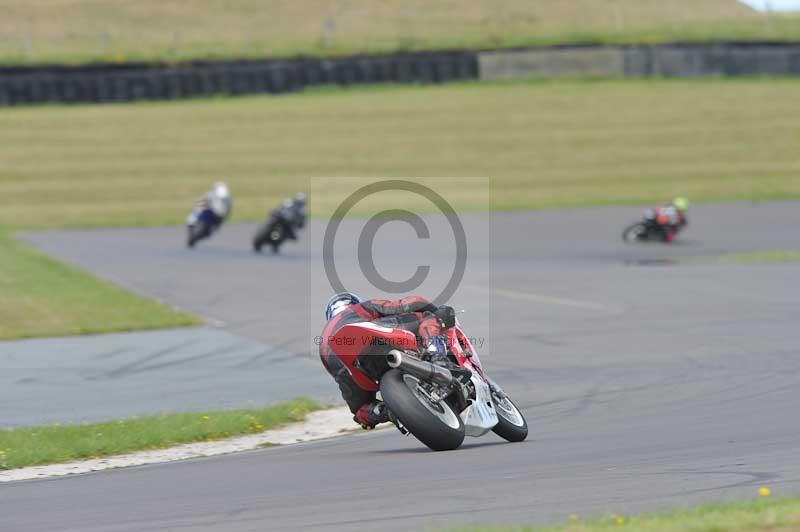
x=292, y=214
x=217, y=203
x=299, y=208
x=413, y=313
x=671, y=218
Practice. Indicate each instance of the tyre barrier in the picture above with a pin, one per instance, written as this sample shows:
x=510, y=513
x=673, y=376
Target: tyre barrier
x=125, y=83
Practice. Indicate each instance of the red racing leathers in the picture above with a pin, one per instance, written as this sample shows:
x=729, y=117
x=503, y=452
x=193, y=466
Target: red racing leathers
x=413, y=313
x=671, y=220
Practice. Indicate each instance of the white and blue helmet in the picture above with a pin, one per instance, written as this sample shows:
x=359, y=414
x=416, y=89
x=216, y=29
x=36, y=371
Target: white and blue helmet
x=339, y=302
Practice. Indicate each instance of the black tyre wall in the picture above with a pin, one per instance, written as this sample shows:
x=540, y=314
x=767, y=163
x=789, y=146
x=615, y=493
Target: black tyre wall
x=122, y=83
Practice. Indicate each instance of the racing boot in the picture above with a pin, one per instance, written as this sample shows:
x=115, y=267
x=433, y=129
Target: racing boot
x=371, y=414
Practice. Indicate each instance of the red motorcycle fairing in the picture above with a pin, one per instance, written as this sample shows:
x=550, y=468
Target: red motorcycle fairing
x=459, y=345
x=351, y=341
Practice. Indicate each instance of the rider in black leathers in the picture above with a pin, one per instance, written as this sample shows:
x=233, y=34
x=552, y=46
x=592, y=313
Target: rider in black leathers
x=292, y=214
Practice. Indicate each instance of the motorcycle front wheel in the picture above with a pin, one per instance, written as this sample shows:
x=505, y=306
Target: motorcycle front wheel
x=433, y=423
x=276, y=238
x=270, y=233
x=511, y=424
x=196, y=232
x=635, y=232
x=258, y=241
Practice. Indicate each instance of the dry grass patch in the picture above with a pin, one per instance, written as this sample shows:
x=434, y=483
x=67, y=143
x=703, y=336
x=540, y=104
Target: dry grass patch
x=543, y=144
x=103, y=30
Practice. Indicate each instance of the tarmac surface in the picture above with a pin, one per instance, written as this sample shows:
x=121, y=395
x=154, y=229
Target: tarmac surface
x=111, y=376
x=647, y=383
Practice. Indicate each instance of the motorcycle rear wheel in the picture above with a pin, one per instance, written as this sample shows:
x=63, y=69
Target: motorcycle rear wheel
x=434, y=424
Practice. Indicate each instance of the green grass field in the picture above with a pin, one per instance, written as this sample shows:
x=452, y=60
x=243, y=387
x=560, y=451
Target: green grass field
x=98, y=30
x=776, y=256
x=543, y=144
x=778, y=515
x=63, y=443
x=40, y=296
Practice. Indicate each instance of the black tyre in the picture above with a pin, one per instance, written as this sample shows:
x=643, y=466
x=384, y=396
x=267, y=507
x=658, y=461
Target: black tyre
x=258, y=240
x=434, y=424
x=271, y=234
x=196, y=232
x=511, y=425
x=276, y=237
x=635, y=232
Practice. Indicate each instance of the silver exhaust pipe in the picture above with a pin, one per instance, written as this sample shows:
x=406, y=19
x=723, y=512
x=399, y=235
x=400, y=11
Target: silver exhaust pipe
x=419, y=368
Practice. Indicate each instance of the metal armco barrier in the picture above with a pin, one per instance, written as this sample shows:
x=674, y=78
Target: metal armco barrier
x=664, y=60
x=722, y=59
x=125, y=83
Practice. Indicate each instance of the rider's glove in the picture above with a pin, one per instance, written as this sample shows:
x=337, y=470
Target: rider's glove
x=436, y=349
x=445, y=316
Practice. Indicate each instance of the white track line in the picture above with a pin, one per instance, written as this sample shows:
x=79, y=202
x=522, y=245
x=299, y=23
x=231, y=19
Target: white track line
x=318, y=425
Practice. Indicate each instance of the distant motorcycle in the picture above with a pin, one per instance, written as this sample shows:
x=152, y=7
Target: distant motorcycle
x=438, y=404
x=662, y=223
x=282, y=224
x=208, y=214
x=652, y=227
x=273, y=232
x=200, y=225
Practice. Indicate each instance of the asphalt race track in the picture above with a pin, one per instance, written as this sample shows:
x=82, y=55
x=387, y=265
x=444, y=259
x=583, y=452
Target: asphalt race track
x=59, y=380
x=646, y=383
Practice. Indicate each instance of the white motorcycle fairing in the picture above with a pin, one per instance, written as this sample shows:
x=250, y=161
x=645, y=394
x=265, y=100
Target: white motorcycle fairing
x=479, y=417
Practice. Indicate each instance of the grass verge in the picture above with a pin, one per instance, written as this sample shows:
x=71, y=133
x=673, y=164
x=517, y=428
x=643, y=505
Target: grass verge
x=543, y=144
x=40, y=296
x=82, y=31
x=29, y=446
x=761, y=515
x=761, y=257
